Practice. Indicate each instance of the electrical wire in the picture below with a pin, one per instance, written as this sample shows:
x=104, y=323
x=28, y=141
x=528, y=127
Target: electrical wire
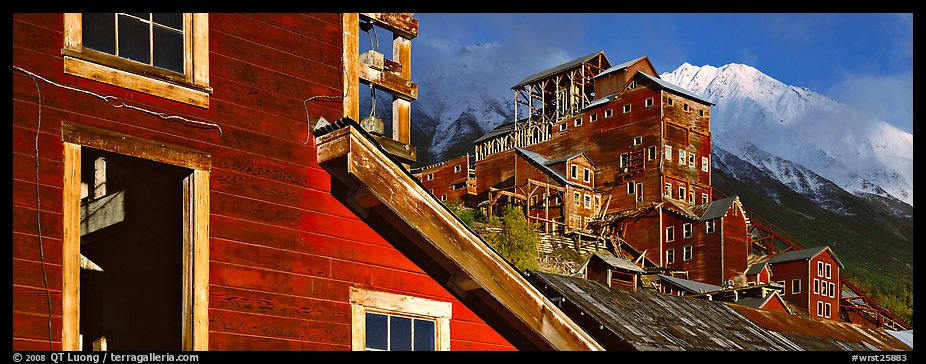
x=116, y=103
x=38, y=209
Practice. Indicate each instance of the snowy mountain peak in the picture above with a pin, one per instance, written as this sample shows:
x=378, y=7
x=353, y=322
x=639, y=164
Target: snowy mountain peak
x=860, y=154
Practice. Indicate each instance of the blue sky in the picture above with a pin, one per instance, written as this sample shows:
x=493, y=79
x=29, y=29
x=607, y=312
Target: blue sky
x=865, y=60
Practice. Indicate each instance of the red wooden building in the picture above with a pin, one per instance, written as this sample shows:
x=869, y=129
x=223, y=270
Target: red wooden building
x=169, y=195
x=811, y=280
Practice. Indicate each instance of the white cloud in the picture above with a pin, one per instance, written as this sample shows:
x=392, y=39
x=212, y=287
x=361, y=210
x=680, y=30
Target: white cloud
x=886, y=97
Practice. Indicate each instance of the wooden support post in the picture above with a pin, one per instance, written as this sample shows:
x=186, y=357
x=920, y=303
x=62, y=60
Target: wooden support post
x=350, y=27
x=401, y=109
x=70, y=251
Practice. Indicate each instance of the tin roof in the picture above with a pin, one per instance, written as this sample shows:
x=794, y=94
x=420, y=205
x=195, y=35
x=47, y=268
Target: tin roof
x=646, y=320
x=544, y=165
x=501, y=129
x=565, y=66
x=689, y=285
x=755, y=268
x=618, y=67
x=673, y=88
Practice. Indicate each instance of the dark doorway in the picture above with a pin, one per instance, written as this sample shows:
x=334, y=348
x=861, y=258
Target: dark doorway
x=132, y=228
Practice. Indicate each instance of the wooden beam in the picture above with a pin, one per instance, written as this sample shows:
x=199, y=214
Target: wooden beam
x=400, y=23
x=70, y=250
x=350, y=28
x=133, y=146
x=388, y=81
x=424, y=215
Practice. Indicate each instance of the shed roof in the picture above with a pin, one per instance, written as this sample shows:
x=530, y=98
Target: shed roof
x=565, y=66
x=803, y=254
x=756, y=268
x=615, y=262
x=689, y=285
x=501, y=129
x=618, y=67
x=543, y=164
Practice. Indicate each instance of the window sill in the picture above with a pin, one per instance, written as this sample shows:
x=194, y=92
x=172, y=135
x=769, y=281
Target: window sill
x=181, y=93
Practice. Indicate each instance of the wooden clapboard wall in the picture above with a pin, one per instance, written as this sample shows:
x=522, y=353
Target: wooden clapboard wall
x=283, y=251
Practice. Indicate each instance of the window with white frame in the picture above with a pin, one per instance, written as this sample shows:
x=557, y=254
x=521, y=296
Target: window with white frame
x=630, y=186
x=586, y=175
x=593, y=117
x=608, y=113
x=827, y=310
x=457, y=168
x=819, y=269
x=691, y=195
x=588, y=201
x=681, y=193
x=704, y=198
x=705, y=164
x=710, y=226
x=624, y=160
x=563, y=126
x=668, y=191
x=820, y=308
x=670, y=256
x=577, y=122
x=823, y=288
x=651, y=151
x=816, y=286
x=382, y=321
x=640, y=192
x=700, y=112
x=828, y=271
x=626, y=108
x=668, y=152
x=162, y=54
x=670, y=233
x=686, y=230
x=573, y=171
x=795, y=286
x=685, y=107
x=597, y=201
x=691, y=160
x=669, y=101
x=576, y=197
x=443, y=197
x=681, y=156
x=648, y=102
x=637, y=140
x=430, y=176
x=832, y=290
x=687, y=252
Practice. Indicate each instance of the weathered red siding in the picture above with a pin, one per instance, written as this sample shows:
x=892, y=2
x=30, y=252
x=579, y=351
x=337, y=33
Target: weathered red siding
x=283, y=251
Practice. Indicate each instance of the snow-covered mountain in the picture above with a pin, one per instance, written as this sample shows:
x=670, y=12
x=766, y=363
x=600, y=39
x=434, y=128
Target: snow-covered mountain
x=765, y=122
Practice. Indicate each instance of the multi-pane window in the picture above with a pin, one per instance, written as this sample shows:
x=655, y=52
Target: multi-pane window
x=154, y=39
x=686, y=230
x=681, y=156
x=710, y=226
x=691, y=196
x=386, y=332
x=691, y=160
x=576, y=197
x=386, y=321
x=823, y=288
x=687, y=252
x=704, y=198
x=588, y=201
x=670, y=233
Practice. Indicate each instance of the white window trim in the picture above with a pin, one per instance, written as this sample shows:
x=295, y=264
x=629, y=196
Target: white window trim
x=668, y=229
x=196, y=59
x=651, y=153
x=668, y=191
x=637, y=140
x=630, y=188
x=639, y=191
x=670, y=261
x=457, y=168
x=668, y=152
x=820, y=308
x=593, y=117
x=681, y=157
x=362, y=300
x=681, y=193
x=669, y=101
x=587, y=201
x=687, y=253
x=798, y=282
x=648, y=102
x=819, y=269
x=627, y=108
x=705, y=164
x=686, y=230
x=828, y=310
x=710, y=226
x=827, y=271
x=704, y=198
x=816, y=286
x=429, y=177
x=573, y=171
x=586, y=175
x=608, y=113
x=563, y=126
x=577, y=122
x=832, y=290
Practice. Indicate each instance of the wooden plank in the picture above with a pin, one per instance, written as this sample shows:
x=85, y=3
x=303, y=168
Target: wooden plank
x=25, y=220
x=26, y=246
x=276, y=192
x=402, y=24
x=35, y=327
x=271, y=259
x=390, y=82
x=229, y=275
x=30, y=273
x=70, y=286
x=112, y=76
x=20, y=344
x=24, y=194
x=237, y=342
x=251, y=30
x=134, y=146
x=303, y=308
x=279, y=327
x=201, y=202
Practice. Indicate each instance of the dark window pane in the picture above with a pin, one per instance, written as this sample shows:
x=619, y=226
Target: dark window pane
x=400, y=333
x=424, y=335
x=146, y=16
x=168, y=49
x=99, y=31
x=134, y=40
x=377, y=331
x=173, y=20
